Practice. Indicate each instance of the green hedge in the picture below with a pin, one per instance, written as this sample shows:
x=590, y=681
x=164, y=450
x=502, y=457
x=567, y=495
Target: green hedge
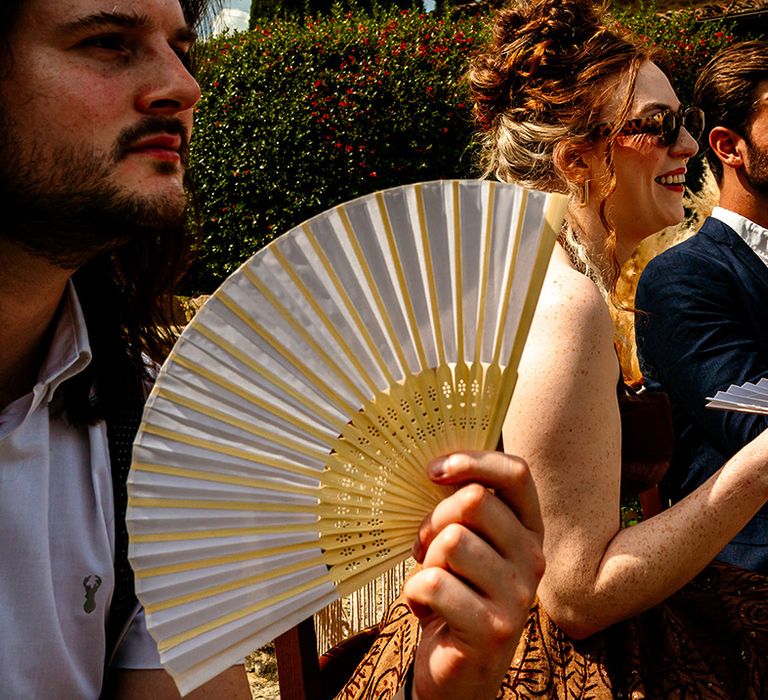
x=301, y=114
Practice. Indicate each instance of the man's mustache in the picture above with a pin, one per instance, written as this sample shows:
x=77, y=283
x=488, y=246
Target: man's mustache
x=152, y=126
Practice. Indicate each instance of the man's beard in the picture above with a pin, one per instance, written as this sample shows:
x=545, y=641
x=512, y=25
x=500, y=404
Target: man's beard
x=65, y=209
x=756, y=169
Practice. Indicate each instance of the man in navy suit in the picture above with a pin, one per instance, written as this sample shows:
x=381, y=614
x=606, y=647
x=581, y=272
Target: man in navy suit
x=702, y=321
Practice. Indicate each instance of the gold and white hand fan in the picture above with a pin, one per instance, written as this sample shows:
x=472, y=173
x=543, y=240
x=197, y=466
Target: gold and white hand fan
x=281, y=460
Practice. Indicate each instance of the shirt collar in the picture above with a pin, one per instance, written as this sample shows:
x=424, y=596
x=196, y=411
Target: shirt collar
x=69, y=352
x=755, y=236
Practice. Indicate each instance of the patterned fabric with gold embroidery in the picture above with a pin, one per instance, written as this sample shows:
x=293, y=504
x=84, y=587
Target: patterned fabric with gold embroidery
x=709, y=641
x=383, y=670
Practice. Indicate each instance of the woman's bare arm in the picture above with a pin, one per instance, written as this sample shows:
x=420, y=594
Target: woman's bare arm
x=564, y=421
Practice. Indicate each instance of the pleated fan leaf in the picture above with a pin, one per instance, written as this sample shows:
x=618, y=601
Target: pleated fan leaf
x=281, y=460
x=749, y=397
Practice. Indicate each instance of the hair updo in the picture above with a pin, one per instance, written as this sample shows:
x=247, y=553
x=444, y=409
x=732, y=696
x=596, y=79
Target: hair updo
x=539, y=87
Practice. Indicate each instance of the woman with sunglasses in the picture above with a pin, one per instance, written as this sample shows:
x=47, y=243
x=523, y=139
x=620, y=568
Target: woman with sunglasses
x=568, y=102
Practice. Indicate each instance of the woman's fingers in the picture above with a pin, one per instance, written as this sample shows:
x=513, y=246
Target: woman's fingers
x=507, y=475
x=477, y=508
x=481, y=550
x=434, y=594
x=496, y=517
x=466, y=555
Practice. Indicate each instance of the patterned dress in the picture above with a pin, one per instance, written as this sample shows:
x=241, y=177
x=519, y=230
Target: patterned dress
x=709, y=640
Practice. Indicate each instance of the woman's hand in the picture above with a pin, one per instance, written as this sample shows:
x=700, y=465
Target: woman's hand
x=482, y=559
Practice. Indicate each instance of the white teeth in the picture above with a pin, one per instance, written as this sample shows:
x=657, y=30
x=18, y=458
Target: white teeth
x=671, y=179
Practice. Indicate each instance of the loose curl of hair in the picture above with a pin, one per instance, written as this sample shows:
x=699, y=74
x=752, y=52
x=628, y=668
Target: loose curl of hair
x=539, y=87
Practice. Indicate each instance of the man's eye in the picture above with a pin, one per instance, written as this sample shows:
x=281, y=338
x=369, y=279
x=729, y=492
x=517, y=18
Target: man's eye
x=108, y=42
x=184, y=56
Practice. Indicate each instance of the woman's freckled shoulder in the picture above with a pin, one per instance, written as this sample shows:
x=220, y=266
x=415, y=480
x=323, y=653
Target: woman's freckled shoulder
x=571, y=307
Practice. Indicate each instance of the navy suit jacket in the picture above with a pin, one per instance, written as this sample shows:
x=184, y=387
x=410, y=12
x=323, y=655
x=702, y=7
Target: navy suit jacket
x=702, y=325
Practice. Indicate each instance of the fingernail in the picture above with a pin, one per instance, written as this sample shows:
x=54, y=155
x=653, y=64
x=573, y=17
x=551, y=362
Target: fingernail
x=417, y=550
x=437, y=468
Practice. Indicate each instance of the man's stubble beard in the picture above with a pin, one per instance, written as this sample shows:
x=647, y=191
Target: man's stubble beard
x=756, y=169
x=63, y=206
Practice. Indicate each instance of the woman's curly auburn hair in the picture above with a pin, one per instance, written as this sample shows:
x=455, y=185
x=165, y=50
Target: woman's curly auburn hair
x=539, y=87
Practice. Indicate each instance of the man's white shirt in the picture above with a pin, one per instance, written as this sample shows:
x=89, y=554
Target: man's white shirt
x=57, y=537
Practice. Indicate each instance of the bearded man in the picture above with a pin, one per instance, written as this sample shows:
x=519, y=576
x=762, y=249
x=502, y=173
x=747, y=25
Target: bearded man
x=96, y=102
x=702, y=321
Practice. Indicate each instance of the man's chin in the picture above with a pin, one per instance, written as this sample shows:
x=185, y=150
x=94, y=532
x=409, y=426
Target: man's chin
x=155, y=177
x=150, y=202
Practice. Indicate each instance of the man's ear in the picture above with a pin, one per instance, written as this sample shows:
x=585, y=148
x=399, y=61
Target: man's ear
x=727, y=146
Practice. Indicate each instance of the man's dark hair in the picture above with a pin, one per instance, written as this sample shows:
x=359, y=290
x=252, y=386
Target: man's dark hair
x=127, y=301
x=194, y=12
x=727, y=90
x=126, y=296
x=9, y=13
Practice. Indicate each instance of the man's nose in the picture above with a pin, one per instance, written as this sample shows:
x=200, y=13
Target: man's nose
x=170, y=88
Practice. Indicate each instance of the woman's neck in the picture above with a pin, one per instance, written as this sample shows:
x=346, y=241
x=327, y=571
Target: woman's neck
x=594, y=234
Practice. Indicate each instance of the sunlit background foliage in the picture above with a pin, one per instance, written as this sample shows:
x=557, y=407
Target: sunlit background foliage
x=304, y=112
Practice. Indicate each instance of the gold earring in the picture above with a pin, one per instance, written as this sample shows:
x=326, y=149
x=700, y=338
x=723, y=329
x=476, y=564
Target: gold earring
x=584, y=193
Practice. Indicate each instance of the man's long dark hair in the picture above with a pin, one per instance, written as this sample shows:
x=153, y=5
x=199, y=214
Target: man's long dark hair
x=126, y=296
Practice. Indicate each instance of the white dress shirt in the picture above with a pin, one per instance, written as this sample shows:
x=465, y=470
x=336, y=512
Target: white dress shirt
x=56, y=534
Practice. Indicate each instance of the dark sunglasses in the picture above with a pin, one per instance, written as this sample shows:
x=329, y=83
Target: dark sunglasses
x=666, y=125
